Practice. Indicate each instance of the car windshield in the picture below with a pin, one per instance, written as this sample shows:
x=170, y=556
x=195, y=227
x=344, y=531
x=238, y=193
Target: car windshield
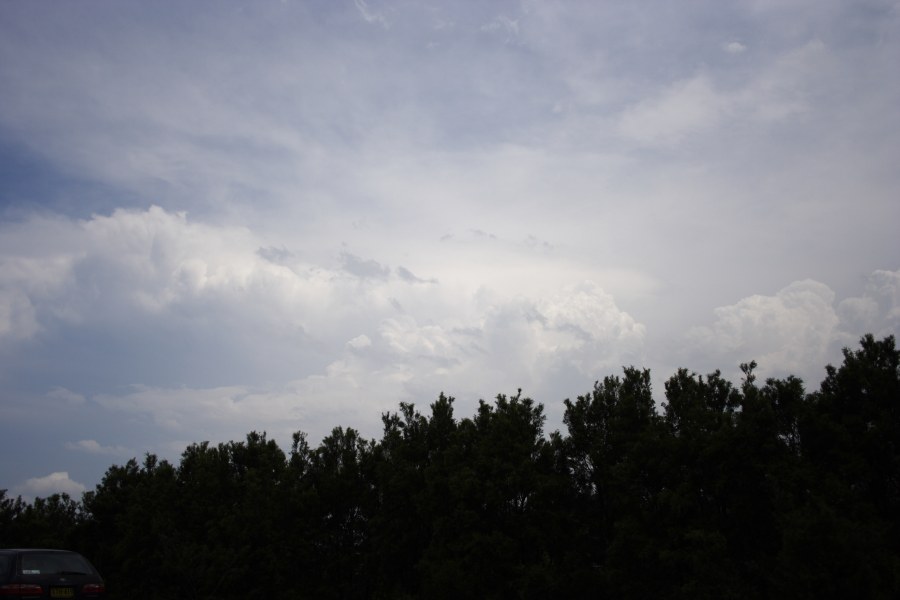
x=38, y=563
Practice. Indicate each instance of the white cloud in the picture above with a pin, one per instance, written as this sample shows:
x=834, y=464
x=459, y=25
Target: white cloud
x=799, y=329
x=405, y=337
x=147, y=259
x=520, y=341
x=135, y=268
x=54, y=483
x=734, y=48
x=151, y=264
x=788, y=332
x=27, y=277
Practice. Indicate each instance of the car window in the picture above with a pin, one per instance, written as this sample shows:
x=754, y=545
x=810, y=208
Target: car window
x=5, y=562
x=37, y=563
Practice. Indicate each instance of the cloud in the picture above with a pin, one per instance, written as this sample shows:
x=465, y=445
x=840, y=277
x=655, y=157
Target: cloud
x=17, y=315
x=409, y=340
x=787, y=332
x=408, y=276
x=54, y=483
x=26, y=277
x=362, y=268
x=302, y=340
x=369, y=15
x=588, y=329
x=686, y=107
x=146, y=261
x=877, y=311
x=359, y=342
x=483, y=235
x=691, y=107
x=204, y=411
x=158, y=297
x=521, y=341
x=94, y=447
x=534, y=242
x=505, y=25
x=279, y=256
x=152, y=272
x=343, y=215
x=800, y=328
x=503, y=342
x=66, y=396
x=351, y=391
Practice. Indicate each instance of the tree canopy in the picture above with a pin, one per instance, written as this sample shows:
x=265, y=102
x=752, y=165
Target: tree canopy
x=725, y=491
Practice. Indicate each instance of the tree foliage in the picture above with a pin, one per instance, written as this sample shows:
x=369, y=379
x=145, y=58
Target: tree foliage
x=747, y=491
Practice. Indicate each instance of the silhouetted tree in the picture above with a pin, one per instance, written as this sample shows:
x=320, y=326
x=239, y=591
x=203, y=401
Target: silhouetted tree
x=728, y=491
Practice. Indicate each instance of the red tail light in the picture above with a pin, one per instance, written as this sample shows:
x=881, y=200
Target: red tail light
x=93, y=588
x=21, y=589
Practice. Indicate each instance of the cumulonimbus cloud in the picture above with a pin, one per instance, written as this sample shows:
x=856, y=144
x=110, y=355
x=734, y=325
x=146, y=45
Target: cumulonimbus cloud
x=799, y=328
x=363, y=324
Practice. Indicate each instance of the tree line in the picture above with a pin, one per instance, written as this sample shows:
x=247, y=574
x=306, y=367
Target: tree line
x=727, y=491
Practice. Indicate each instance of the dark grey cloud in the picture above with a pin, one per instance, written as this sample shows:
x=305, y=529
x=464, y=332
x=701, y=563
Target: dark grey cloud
x=363, y=268
x=408, y=276
x=276, y=255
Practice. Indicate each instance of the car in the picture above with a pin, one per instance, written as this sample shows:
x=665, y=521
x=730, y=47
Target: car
x=45, y=573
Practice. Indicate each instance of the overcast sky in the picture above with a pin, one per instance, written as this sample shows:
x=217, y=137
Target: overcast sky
x=220, y=217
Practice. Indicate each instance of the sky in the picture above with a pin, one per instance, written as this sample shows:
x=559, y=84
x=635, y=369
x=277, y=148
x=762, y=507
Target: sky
x=280, y=216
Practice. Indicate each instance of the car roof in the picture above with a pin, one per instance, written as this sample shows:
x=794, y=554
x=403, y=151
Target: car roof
x=21, y=550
